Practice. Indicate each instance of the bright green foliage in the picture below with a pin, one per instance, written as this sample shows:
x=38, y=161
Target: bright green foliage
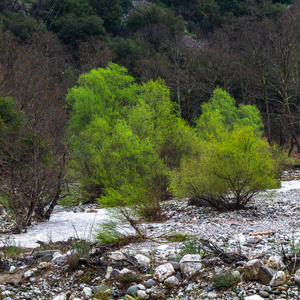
x=125, y=137
x=231, y=169
x=221, y=112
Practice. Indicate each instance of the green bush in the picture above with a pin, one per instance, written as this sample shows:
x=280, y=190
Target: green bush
x=233, y=163
x=125, y=138
x=232, y=168
x=224, y=280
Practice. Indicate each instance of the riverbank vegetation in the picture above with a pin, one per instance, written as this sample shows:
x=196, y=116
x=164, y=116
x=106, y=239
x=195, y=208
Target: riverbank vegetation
x=131, y=102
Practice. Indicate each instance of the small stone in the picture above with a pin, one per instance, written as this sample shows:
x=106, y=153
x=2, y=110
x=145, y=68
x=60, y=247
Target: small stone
x=29, y=273
x=87, y=291
x=126, y=272
x=190, y=264
x=264, y=294
x=132, y=291
x=143, y=294
x=266, y=289
x=61, y=296
x=164, y=271
x=274, y=262
x=100, y=289
x=172, y=281
x=278, y=279
x=212, y=295
x=163, y=248
x=12, y=269
x=143, y=260
x=58, y=258
x=108, y=272
x=150, y=283
x=254, y=297
x=116, y=255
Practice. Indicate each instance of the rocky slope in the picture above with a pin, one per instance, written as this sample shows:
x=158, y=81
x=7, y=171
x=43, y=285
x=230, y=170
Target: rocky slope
x=247, y=254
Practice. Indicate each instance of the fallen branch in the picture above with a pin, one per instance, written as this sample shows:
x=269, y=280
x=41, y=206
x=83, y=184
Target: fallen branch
x=262, y=233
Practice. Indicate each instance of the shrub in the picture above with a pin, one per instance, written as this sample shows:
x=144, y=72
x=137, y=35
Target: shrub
x=232, y=168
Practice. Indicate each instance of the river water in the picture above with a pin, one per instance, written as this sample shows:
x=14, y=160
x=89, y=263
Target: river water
x=65, y=224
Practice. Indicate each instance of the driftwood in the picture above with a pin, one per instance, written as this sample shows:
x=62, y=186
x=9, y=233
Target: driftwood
x=229, y=258
x=262, y=233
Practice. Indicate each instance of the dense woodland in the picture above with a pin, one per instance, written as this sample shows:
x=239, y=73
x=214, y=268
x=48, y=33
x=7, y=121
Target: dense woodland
x=164, y=66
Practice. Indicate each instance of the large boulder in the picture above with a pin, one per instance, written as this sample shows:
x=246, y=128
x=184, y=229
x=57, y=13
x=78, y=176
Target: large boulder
x=190, y=264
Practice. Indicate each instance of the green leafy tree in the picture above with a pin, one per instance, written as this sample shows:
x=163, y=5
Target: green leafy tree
x=111, y=11
x=230, y=170
x=234, y=163
x=124, y=138
x=221, y=111
x=19, y=23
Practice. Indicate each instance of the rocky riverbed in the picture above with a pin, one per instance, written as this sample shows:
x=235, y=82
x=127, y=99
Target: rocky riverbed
x=254, y=251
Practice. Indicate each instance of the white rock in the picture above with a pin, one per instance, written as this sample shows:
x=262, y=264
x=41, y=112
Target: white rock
x=61, y=296
x=274, y=262
x=278, y=279
x=212, y=295
x=58, y=258
x=164, y=271
x=190, y=264
x=108, y=272
x=126, y=272
x=116, y=255
x=29, y=273
x=163, y=248
x=12, y=269
x=141, y=287
x=87, y=291
x=142, y=294
x=254, y=297
x=172, y=281
x=143, y=260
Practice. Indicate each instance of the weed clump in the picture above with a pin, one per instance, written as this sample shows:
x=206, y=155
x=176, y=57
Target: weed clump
x=177, y=237
x=190, y=246
x=107, y=234
x=224, y=280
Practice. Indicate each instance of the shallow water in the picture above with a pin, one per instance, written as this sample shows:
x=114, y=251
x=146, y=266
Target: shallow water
x=63, y=225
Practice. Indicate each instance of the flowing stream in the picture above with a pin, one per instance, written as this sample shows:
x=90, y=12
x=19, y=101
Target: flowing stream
x=66, y=224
